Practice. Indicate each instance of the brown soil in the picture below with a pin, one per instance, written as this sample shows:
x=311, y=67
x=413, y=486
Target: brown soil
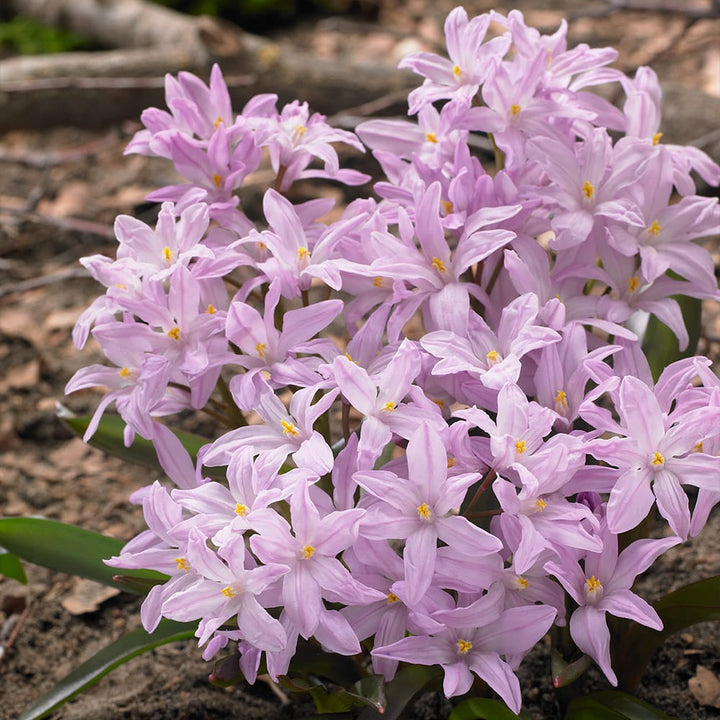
x=55, y=208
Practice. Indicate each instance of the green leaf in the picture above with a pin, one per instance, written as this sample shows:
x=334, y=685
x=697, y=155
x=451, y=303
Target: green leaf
x=691, y=604
x=11, y=567
x=68, y=549
x=119, y=652
x=400, y=692
x=484, y=709
x=109, y=438
x=659, y=342
x=612, y=705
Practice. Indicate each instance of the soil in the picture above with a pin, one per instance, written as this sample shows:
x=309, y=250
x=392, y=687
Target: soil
x=60, y=191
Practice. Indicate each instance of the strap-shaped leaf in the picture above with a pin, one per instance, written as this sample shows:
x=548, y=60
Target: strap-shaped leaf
x=659, y=342
x=484, y=709
x=612, y=705
x=109, y=438
x=691, y=604
x=11, y=567
x=119, y=652
x=69, y=549
x=400, y=692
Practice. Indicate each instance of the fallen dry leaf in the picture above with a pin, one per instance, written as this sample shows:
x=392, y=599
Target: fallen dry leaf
x=87, y=596
x=705, y=687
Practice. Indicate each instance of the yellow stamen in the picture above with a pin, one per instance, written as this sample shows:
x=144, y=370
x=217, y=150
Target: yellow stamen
x=211, y=310
x=289, y=428
x=698, y=447
x=633, y=283
x=303, y=253
x=457, y=71
x=521, y=583
x=464, y=645
x=308, y=552
x=514, y=110
x=588, y=189
x=168, y=254
x=451, y=461
x=124, y=372
x=447, y=206
x=493, y=357
x=217, y=180
x=218, y=120
x=655, y=228
x=438, y=264
x=392, y=598
x=260, y=349
x=120, y=286
x=656, y=138
x=388, y=407
x=378, y=282
x=228, y=592
x=174, y=333
x=440, y=403
x=593, y=584
x=658, y=459
x=431, y=137
x=520, y=447
x=424, y=511
x=240, y=510
x=299, y=131
x=182, y=564
x=540, y=504
x=262, y=246
x=349, y=357
x=561, y=399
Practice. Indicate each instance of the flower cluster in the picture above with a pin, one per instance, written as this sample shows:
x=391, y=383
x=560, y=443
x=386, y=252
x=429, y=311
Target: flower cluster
x=439, y=492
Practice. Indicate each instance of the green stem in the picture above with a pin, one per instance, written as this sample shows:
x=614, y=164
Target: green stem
x=237, y=419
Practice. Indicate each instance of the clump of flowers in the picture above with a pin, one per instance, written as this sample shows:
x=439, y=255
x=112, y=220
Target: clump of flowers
x=445, y=498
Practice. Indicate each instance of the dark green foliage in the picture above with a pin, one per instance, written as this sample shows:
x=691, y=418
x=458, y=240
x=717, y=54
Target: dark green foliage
x=25, y=36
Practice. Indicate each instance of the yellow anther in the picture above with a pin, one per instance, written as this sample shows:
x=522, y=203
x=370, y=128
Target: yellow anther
x=588, y=189
x=217, y=180
x=217, y=122
x=289, y=428
x=211, y=310
x=439, y=265
x=350, y=358
x=299, y=131
x=303, y=253
x=392, y=598
x=124, y=372
x=493, y=357
x=593, y=584
x=431, y=137
x=182, y=564
x=168, y=254
x=377, y=281
x=240, y=510
x=308, y=552
x=540, y=504
x=520, y=447
x=424, y=511
x=656, y=138
x=457, y=71
x=389, y=407
x=464, y=645
x=228, y=592
x=514, y=110
x=521, y=582
x=121, y=286
x=633, y=283
x=657, y=459
x=561, y=399
x=655, y=228
x=174, y=333
x=439, y=402
x=451, y=461
x=260, y=349
x=447, y=206
x=261, y=246
x=698, y=447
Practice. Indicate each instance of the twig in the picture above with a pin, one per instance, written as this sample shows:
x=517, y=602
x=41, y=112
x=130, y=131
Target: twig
x=19, y=620
x=37, y=282
x=72, y=224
